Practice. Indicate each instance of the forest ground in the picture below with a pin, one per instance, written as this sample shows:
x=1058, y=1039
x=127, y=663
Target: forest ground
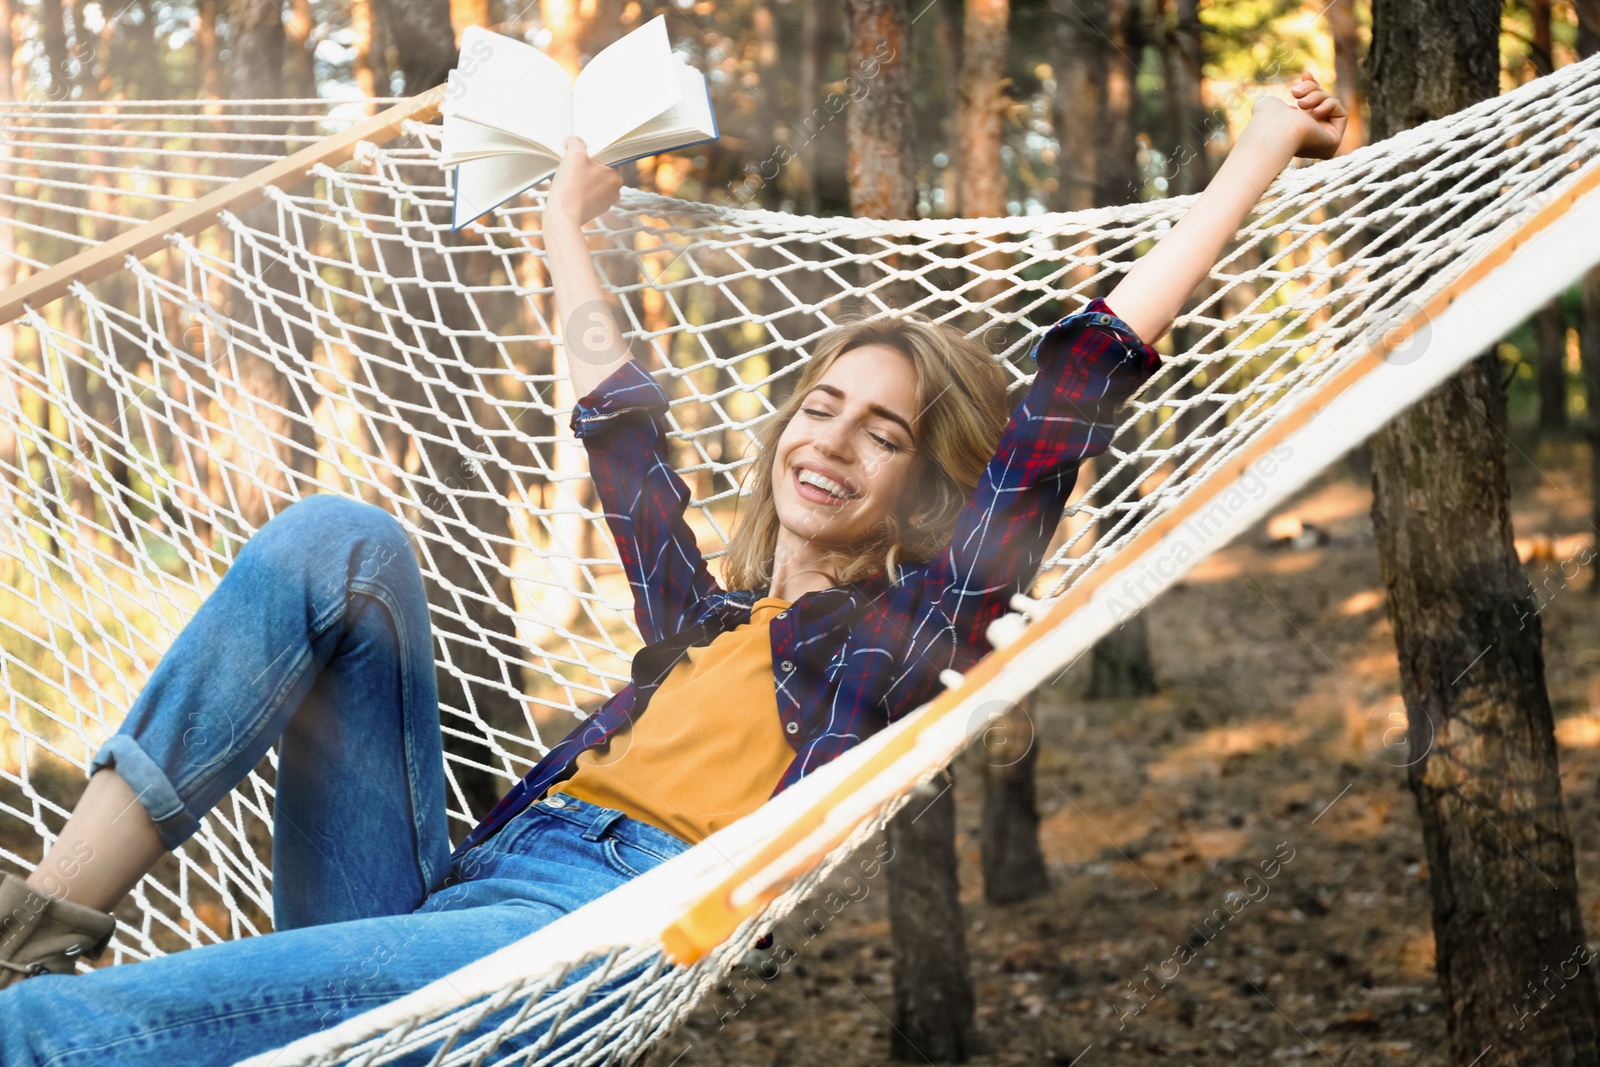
x=1274, y=735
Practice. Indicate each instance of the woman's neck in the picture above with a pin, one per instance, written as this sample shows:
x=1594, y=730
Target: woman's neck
x=797, y=569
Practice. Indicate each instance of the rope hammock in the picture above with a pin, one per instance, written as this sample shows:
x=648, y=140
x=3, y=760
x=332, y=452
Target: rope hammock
x=231, y=306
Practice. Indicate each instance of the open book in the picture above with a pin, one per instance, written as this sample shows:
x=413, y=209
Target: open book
x=510, y=108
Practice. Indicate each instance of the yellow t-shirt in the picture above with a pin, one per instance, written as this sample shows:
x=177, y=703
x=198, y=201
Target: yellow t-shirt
x=709, y=748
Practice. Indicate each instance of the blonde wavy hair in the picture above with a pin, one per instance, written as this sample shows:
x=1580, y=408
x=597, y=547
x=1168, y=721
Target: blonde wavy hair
x=961, y=411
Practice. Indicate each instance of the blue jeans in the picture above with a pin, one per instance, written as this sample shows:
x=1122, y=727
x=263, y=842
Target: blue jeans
x=318, y=635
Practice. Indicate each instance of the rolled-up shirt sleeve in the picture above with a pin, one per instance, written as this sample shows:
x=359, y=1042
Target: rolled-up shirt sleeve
x=1089, y=364
x=622, y=424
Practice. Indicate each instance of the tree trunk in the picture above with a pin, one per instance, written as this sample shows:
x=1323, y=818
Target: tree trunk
x=933, y=989
x=364, y=44
x=1121, y=40
x=1550, y=326
x=981, y=106
x=1550, y=330
x=819, y=28
x=1349, y=85
x=10, y=402
x=933, y=997
x=101, y=413
x=1588, y=12
x=1588, y=27
x=1484, y=772
x=53, y=29
x=947, y=35
x=423, y=40
x=302, y=75
x=1121, y=665
x=1190, y=69
x=425, y=50
x=1415, y=74
x=1193, y=172
x=883, y=165
x=1097, y=44
x=1013, y=864
x=1543, y=55
x=132, y=65
x=272, y=435
x=1590, y=349
x=1079, y=108
x=600, y=22
x=107, y=447
x=767, y=129
x=1080, y=99
x=1174, y=134
x=818, y=175
x=206, y=42
x=74, y=356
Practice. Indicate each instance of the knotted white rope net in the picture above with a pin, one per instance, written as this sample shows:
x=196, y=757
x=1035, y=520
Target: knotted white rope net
x=338, y=338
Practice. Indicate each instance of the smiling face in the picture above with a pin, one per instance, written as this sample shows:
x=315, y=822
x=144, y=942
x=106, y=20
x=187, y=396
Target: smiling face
x=843, y=463
x=842, y=491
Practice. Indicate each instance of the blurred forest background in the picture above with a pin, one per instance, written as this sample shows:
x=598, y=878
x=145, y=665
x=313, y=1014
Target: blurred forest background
x=1083, y=104
x=1136, y=96
x=1260, y=726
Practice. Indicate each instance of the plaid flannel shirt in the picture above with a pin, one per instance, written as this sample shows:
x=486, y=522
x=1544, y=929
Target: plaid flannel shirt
x=849, y=660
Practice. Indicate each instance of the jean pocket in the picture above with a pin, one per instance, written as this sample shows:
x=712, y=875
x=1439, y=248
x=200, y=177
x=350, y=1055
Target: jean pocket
x=628, y=858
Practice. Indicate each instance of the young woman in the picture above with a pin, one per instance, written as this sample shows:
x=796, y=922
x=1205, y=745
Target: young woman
x=894, y=511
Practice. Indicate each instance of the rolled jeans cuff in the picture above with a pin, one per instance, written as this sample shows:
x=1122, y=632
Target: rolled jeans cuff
x=175, y=824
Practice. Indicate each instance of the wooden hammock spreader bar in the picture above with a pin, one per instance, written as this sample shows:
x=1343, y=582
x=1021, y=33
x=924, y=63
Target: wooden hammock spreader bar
x=807, y=839
x=146, y=239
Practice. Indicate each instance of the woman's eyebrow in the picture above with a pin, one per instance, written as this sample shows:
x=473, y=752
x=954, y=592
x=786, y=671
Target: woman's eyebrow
x=876, y=409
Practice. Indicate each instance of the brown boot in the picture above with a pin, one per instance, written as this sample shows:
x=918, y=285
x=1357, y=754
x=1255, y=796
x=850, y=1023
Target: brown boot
x=40, y=934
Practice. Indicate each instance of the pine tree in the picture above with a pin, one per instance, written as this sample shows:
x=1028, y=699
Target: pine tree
x=1467, y=629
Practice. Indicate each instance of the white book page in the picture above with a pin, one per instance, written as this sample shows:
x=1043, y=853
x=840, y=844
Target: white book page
x=510, y=86
x=625, y=86
x=462, y=139
x=483, y=184
x=687, y=121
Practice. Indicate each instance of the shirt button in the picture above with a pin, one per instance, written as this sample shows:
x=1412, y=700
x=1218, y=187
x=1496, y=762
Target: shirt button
x=781, y=615
x=556, y=801
x=792, y=727
x=787, y=665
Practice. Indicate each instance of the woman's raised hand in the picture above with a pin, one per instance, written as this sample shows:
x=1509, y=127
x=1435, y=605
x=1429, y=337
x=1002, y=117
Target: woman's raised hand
x=1311, y=123
x=1316, y=120
x=582, y=189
